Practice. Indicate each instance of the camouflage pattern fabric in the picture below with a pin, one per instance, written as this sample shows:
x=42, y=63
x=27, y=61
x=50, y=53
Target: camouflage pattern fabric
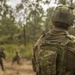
x=16, y=59
x=2, y=56
x=66, y=54
x=47, y=62
x=35, y=53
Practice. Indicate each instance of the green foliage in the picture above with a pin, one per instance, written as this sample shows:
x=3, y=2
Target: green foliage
x=62, y=2
x=24, y=24
x=29, y=25
x=48, y=23
x=10, y=40
x=7, y=20
x=10, y=49
x=5, y=39
x=27, y=52
x=24, y=51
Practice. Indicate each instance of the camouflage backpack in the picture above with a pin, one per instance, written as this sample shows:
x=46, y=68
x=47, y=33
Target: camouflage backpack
x=51, y=58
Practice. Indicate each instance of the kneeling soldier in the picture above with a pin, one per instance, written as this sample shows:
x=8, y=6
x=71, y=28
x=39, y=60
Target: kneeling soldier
x=16, y=58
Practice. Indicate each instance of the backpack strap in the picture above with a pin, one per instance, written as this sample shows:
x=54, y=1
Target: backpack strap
x=61, y=57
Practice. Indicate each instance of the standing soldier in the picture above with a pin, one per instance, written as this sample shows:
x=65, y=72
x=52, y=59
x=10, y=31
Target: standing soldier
x=54, y=52
x=2, y=56
x=16, y=58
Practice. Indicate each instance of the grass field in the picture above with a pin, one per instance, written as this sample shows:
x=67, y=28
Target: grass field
x=26, y=66
x=24, y=69
x=24, y=51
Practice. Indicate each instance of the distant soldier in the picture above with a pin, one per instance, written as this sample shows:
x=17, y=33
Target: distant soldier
x=16, y=58
x=2, y=56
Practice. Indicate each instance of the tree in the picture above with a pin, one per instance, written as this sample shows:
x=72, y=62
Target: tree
x=8, y=25
x=48, y=23
x=31, y=16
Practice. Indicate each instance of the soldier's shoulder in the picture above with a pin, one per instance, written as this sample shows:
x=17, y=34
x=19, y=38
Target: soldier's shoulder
x=41, y=37
x=72, y=38
x=38, y=41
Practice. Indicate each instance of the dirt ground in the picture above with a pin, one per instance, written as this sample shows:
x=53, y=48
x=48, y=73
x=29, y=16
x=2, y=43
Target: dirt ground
x=24, y=69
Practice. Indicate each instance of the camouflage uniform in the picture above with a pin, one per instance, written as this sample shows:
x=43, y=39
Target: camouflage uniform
x=58, y=35
x=2, y=56
x=16, y=58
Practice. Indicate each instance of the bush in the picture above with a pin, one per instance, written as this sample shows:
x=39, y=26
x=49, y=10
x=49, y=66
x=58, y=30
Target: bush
x=25, y=51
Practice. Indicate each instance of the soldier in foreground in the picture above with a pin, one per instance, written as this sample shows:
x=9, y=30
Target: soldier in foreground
x=16, y=58
x=54, y=52
x=2, y=56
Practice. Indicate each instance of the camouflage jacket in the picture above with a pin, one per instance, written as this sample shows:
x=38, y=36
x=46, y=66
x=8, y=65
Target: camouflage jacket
x=57, y=36
x=2, y=55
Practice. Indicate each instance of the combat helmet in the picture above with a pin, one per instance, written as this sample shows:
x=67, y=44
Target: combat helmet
x=17, y=51
x=63, y=14
x=2, y=48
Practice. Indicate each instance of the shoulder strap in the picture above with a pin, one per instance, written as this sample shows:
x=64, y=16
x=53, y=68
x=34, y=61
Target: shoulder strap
x=38, y=42
x=62, y=57
x=65, y=41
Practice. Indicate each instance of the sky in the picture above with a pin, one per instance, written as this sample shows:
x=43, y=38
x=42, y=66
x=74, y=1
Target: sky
x=13, y=3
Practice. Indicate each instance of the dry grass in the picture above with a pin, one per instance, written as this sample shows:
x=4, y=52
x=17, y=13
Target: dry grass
x=24, y=69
